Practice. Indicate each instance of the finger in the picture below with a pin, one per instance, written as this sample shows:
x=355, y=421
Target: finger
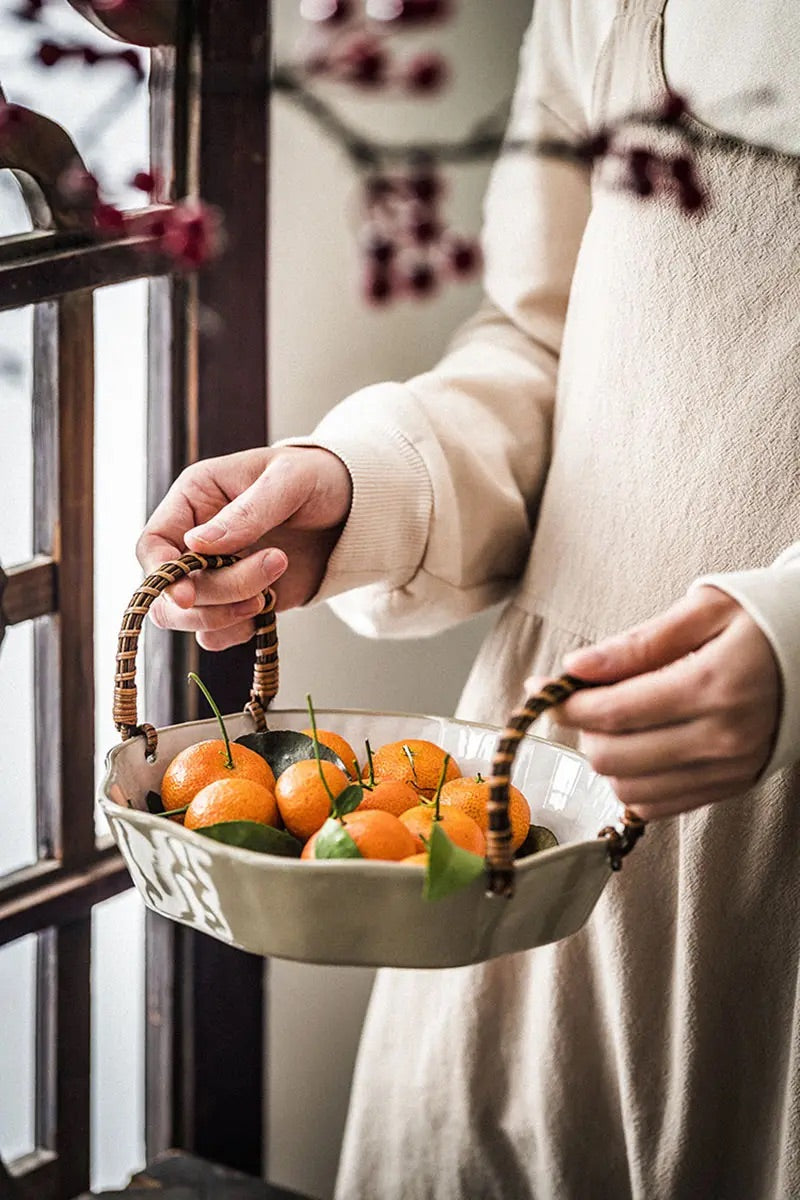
x=655, y=751
x=683, y=691
x=685, y=627
x=214, y=617
x=223, y=639
x=153, y=550
x=249, y=577
x=278, y=492
x=729, y=777
x=683, y=804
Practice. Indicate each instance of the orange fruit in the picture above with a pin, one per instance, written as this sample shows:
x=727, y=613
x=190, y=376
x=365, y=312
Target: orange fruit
x=393, y=761
x=392, y=796
x=417, y=860
x=191, y=769
x=376, y=833
x=232, y=800
x=471, y=796
x=302, y=799
x=339, y=746
x=460, y=828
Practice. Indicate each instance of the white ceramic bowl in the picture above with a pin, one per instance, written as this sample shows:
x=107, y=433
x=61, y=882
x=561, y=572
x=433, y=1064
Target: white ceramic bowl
x=354, y=911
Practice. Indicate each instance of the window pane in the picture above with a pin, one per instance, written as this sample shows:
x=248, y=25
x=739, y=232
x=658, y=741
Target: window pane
x=120, y=437
x=18, y=1048
x=17, y=789
x=14, y=216
x=16, y=456
x=104, y=108
x=117, y=1040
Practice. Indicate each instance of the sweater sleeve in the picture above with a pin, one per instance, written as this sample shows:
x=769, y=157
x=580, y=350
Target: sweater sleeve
x=448, y=467
x=771, y=595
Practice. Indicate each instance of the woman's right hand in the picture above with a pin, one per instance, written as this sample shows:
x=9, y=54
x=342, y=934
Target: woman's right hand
x=282, y=510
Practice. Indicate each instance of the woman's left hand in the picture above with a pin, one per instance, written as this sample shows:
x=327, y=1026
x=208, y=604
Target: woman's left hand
x=691, y=707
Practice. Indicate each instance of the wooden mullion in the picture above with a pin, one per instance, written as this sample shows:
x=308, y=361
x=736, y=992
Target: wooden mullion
x=39, y=266
x=64, y=1052
x=48, y=894
x=30, y=591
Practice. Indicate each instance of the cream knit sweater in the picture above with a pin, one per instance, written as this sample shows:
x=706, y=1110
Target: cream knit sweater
x=620, y=420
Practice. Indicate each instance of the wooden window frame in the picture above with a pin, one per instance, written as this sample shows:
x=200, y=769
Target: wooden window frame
x=205, y=1001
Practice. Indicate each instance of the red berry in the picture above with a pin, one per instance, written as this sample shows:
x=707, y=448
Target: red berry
x=673, y=107
x=49, y=53
x=377, y=188
x=422, y=279
x=425, y=188
x=425, y=73
x=377, y=286
x=364, y=62
x=90, y=55
x=144, y=181
x=108, y=217
x=424, y=230
x=464, y=257
x=380, y=249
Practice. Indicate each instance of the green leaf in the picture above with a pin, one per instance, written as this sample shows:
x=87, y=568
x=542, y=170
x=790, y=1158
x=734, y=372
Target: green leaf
x=450, y=868
x=154, y=802
x=252, y=835
x=333, y=841
x=282, y=747
x=539, y=838
x=348, y=800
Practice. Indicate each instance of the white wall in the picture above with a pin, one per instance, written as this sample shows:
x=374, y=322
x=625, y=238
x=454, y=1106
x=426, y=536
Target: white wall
x=325, y=344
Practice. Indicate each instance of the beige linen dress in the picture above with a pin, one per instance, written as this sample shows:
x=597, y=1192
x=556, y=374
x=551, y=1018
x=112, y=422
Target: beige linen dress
x=654, y=1055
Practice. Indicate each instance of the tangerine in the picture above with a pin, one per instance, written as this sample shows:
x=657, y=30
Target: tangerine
x=471, y=795
x=341, y=748
x=392, y=796
x=232, y=800
x=203, y=763
x=417, y=860
x=413, y=761
x=376, y=833
x=460, y=828
x=302, y=797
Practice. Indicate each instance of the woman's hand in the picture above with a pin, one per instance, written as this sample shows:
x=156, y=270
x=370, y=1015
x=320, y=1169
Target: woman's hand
x=282, y=509
x=691, y=707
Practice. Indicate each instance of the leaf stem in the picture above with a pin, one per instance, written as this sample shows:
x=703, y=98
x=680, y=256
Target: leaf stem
x=371, y=763
x=229, y=763
x=313, y=720
x=437, y=816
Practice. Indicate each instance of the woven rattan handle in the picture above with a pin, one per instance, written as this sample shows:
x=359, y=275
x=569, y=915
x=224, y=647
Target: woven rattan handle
x=265, y=673
x=499, y=856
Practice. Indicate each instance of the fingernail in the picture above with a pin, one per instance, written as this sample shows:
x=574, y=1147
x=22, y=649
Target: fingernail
x=588, y=659
x=212, y=532
x=273, y=564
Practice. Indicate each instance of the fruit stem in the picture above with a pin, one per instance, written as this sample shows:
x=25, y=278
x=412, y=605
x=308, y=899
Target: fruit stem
x=437, y=816
x=313, y=721
x=409, y=753
x=371, y=764
x=479, y=778
x=229, y=763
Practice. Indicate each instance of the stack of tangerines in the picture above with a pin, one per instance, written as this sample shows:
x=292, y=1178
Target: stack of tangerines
x=385, y=809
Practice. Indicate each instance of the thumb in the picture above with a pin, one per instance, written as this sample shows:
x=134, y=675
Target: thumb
x=268, y=502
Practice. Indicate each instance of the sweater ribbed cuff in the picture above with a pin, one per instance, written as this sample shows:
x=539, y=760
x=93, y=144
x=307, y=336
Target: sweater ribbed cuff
x=771, y=596
x=386, y=532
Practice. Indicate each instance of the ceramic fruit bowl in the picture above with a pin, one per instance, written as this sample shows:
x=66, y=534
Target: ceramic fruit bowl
x=354, y=911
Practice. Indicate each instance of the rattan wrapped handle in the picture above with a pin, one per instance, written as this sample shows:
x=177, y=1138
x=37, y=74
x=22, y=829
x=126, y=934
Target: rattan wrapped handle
x=499, y=856
x=265, y=672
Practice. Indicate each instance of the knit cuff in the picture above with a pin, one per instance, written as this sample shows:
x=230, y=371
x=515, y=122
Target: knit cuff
x=386, y=532
x=771, y=596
